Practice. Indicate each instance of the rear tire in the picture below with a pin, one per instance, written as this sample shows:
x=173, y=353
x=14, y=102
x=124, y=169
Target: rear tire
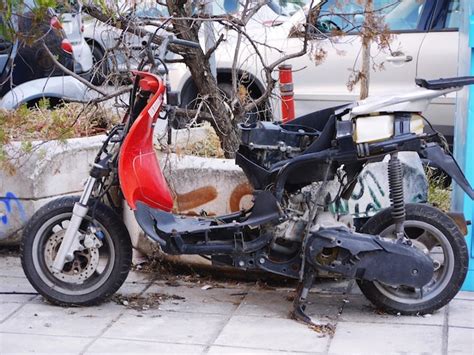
x=433, y=231
x=95, y=273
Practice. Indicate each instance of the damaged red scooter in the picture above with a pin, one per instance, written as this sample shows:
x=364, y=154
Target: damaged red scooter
x=409, y=258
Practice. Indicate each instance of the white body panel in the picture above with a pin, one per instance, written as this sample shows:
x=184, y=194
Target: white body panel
x=72, y=23
x=415, y=101
x=64, y=87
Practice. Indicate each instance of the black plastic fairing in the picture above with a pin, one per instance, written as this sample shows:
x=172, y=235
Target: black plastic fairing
x=369, y=257
x=438, y=157
x=157, y=222
x=441, y=84
x=317, y=119
x=258, y=176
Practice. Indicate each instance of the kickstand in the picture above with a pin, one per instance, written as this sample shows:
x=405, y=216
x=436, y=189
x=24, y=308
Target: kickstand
x=300, y=299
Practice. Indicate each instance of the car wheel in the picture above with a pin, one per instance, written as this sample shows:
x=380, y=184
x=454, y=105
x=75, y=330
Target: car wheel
x=100, y=68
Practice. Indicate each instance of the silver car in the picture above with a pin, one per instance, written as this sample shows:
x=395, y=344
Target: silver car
x=27, y=74
x=425, y=45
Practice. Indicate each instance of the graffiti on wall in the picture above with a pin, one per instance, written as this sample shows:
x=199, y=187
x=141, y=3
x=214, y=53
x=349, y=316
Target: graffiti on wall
x=11, y=207
x=367, y=183
x=370, y=194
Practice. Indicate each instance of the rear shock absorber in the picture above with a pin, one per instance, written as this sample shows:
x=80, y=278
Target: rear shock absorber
x=395, y=184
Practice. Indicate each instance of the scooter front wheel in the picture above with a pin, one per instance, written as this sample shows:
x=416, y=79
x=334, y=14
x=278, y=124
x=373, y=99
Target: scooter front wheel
x=100, y=265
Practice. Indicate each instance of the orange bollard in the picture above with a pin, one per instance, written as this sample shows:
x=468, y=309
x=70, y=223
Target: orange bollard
x=286, y=93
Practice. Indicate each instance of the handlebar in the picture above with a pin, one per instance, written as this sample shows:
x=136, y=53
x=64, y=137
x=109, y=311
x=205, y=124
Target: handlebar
x=177, y=41
x=149, y=47
x=184, y=43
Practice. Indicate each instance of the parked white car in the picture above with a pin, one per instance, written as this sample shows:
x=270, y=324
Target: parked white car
x=425, y=46
x=73, y=27
x=121, y=56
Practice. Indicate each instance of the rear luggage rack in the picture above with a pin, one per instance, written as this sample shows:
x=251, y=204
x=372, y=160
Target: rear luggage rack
x=441, y=84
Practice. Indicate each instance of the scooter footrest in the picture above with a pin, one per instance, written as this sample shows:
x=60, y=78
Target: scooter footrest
x=168, y=223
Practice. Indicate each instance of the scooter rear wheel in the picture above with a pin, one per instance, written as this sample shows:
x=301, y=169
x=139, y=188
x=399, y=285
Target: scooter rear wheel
x=95, y=273
x=438, y=236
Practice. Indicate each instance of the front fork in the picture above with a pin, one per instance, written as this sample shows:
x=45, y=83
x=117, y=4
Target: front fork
x=70, y=242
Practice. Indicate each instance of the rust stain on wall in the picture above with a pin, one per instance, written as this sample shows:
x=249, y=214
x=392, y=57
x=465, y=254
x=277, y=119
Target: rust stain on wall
x=237, y=194
x=195, y=198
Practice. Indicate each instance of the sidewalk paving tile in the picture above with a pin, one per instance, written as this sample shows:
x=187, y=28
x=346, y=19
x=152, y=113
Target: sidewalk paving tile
x=460, y=341
x=132, y=287
x=197, y=300
x=324, y=308
x=10, y=266
x=139, y=277
x=20, y=343
x=271, y=334
x=105, y=345
x=359, y=309
x=6, y=309
x=41, y=318
x=266, y=304
x=15, y=297
x=16, y=284
x=465, y=295
x=231, y=350
x=321, y=307
x=182, y=328
x=370, y=338
x=461, y=313
x=227, y=318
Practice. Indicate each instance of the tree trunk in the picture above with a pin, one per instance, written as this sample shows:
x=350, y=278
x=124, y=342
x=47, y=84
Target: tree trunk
x=366, y=44
x=205, y=82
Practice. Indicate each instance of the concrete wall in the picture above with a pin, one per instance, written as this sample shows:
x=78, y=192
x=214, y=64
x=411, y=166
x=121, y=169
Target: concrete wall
x=219, y=186
x=216, y=186
x=51, y=170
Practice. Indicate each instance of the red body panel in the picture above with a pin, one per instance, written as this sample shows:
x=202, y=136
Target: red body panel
x=141, y=178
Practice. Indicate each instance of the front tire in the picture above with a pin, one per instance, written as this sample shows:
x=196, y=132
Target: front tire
x=95, y=273
x=438, y=235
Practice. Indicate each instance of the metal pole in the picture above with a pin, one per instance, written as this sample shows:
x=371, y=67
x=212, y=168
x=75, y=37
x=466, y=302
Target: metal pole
x=464, y=130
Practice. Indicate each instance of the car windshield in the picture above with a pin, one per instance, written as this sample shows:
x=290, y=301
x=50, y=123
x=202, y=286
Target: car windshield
x=152, y=10
x=398, y=15
x=279, y=7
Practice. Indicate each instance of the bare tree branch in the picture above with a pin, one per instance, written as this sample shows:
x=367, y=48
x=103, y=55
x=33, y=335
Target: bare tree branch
x=71, y=73
x=211, y=50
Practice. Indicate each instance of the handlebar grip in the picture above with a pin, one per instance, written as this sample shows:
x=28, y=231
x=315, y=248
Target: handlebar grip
x=185, y=43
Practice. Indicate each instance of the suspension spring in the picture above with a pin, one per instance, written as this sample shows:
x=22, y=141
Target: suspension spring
x=395, y=184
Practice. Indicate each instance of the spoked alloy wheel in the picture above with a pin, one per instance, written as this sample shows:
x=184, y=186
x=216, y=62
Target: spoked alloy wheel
x=432, y=231
x=100, y=265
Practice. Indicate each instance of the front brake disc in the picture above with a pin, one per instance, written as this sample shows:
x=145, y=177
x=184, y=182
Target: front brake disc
x=81, y=268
